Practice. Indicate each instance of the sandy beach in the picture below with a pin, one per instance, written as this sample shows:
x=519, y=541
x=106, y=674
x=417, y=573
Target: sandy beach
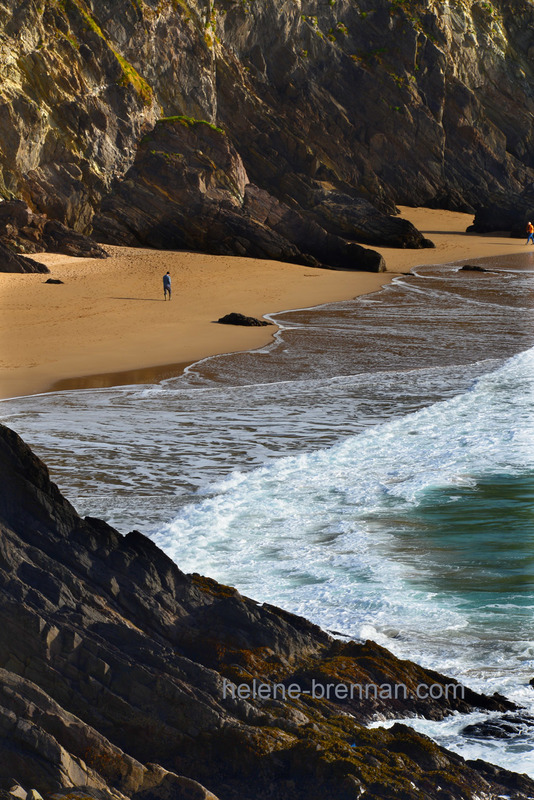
x=108, y=323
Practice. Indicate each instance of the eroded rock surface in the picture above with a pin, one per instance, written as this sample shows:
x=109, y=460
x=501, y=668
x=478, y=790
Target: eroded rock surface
x=120, y=675
x=506, y=213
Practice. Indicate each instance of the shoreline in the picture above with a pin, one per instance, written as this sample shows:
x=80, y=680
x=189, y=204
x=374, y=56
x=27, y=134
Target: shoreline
x=105, y=326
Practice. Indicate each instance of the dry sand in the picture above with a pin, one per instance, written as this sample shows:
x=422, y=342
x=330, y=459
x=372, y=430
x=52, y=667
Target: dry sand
x=108, y=323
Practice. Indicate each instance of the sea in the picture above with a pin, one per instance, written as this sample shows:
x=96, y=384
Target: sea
x=371, y=469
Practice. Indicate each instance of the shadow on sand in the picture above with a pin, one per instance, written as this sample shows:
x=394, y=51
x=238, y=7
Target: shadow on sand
x=140, y=299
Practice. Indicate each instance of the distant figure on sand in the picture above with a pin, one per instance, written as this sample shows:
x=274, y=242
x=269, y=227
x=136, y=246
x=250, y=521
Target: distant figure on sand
x=167, y=284
x=530, y=233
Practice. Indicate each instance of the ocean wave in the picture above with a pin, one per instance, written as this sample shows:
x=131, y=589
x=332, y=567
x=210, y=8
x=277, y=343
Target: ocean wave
x=486, y=430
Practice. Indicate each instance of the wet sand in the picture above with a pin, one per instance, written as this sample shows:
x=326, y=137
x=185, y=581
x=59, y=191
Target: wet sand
x=108, y=323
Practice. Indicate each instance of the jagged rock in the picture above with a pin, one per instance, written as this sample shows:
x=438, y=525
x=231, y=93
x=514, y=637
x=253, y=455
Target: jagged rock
x=188, y=188
x=18, y=792
x=474, y=268
x=116, y=676
x=299, y=227
x=240, y=319
x=59, y=239
x=13, y=262
x=71, y=107
x=23, y=230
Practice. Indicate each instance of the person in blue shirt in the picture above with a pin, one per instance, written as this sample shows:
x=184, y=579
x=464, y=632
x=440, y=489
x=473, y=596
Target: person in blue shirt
x=167, y=285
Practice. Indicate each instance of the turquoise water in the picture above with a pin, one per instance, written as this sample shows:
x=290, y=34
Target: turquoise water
x=480, y=540
x=473, y=547
x=371, y=470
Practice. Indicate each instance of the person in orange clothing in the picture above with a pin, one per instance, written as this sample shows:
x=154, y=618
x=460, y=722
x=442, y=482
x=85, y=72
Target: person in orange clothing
x=530, y=233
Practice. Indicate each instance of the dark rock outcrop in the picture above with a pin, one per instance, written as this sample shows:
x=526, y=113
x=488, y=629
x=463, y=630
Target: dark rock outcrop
x=356, y=218
x=241, y=319
x=507, y=726
x=13, y=262
x=24, y=231
x=506, y=213
x=123, y=676
x=188, y=189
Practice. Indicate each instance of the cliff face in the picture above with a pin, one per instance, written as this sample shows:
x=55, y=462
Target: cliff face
x=114, y=663
x=383, y=100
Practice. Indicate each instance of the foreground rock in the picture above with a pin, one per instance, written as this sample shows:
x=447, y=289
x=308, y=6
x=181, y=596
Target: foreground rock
x=24, y=231
x=13, y=262
x=241, y=319
x=122, y=675
x=188, y=189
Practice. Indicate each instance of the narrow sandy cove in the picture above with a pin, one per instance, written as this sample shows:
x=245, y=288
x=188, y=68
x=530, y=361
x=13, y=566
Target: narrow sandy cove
x=109, y=323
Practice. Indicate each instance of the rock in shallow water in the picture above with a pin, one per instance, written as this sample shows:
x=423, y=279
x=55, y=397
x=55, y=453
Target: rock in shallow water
x=508, y=726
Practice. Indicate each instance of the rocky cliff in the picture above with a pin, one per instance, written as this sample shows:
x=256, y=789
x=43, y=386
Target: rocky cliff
x=120, y=679
x=338, y=109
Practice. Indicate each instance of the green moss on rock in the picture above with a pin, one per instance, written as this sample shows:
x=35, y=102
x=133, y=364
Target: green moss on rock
x=189, y=122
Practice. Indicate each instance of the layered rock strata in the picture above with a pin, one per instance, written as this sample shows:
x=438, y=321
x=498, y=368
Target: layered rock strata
x=121, y=675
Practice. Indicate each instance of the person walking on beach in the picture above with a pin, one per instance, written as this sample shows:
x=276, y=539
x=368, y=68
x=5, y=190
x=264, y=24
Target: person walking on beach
x=530, y=233
x=167, y=284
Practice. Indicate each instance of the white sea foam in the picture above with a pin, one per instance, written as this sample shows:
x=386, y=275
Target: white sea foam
x=330, y=493
x=516, y=755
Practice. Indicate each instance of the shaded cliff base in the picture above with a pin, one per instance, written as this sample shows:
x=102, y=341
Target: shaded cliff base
x=189, y=189
x=108, y=319
x=24, y=231
x=115, y=668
